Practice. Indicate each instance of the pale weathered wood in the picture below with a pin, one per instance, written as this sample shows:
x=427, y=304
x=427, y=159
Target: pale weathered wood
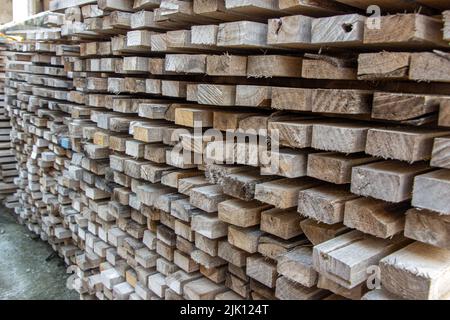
x=318, y=232
x=202, y=289
x=226, y=65
x=342, y=101
x=402, y=144
x=253, y=96
x=375, y=217
x=241, y=213
x=324, y=203
x=242, y=34
x=232, y=254
x=221, y=95
x=418, y=271
x=428, y=227
x=338, y=30
x=446, y=15
x=400, y=106
x=290, y=32
x=241, y=185
x=185, y=63
x=262, y=270
x=420, y=66
x=311, y=8
x=405, y=30
x=354, y=293
x=284, y=162
x=390, y=181
x=296, y=265
x=244, y=238
x=282, y=193
x=335, y=167
x=431, y=191
x=336, y=259
x=440, y=156
x=207, y=198
x=209, y=226
x=295, y=99
x=268, y=66
x=326, y=67
x=281, y=223
x=291, y=290
x=383, y=65
x=294, y=133
x=349, y=137
x=444, y=113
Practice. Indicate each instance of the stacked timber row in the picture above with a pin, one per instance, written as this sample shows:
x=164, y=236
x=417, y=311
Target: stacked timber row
x=38, y=83
x=8, y=162
x=334, y=177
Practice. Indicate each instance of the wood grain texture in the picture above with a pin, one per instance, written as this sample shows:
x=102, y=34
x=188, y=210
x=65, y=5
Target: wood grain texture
x=418, y=271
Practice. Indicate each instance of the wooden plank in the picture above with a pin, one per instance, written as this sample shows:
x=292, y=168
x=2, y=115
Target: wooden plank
x=404, y=271
x=284, y=162
x=416, y=31
x=327, y=67
x=244, y=238
x=221, y=95
x=281, y=223
x=262, y=270
x=260, y=8
x=335, y=259
x=402, y=144
x=446, y=15
x=341, y=30
x=311, y=8
x=347, y=137
x=216, y=9
x=427, y=227
x=399, y=106
x=268, y=66
x=318, y=232
x=387, y=5
x=242, y=34
x=293, y=133
x=226, y=65
x=253, y=96
x=186, y=64
x=375, y=217
x=430, y=190
x=342, y=101
x=290, y=290
x=241, y=213
x=444, y=113
x=241, y=185
x=202, y=289
x=290, y=32
x=295, y=99
x=324, y=203
x=297, y=265
x=390, y=181
x=383, y=65
x=335, y=167
x=282, y=193
x=207, y=198
x=440, y=156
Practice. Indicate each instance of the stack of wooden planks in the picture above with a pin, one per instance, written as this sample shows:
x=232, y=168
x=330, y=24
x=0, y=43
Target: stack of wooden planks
x=232, y=149
x=8, y=170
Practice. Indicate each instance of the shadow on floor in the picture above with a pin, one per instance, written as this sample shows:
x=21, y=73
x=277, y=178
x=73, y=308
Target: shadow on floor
x=24, y=273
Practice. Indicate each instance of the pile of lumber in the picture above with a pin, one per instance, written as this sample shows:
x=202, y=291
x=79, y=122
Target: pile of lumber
x=235, y=149
x=8, y=170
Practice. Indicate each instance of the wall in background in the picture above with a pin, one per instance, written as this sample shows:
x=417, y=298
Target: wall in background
x=6, y=14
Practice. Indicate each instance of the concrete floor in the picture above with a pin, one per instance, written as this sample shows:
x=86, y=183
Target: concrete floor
x=24, y=273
